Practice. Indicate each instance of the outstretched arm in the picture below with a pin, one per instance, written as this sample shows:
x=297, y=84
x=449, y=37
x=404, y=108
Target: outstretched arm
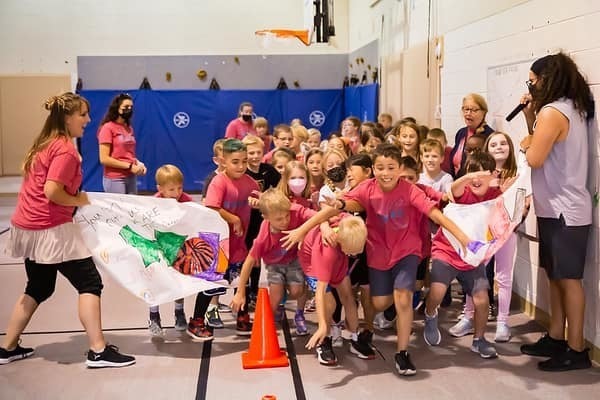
x=239, y=300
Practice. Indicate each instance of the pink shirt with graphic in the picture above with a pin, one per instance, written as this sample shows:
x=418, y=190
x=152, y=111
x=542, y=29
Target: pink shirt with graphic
x=184, y=198
x=325, y=263
x=59, y=161
x=441, y=248
x=232, y=196
x=238, y=129
x=267, y=245
x=122, y=147
x=393, y=221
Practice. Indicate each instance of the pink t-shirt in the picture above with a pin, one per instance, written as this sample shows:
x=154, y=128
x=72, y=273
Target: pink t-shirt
x=122, y=146
x=268, y=157
x=304, y=202
x=59, y=161
x=441, y=248
x=232, y=196
x=326, y=263
x=393, y=221
x=184, y=198
x=238, y=129
x=267, y=245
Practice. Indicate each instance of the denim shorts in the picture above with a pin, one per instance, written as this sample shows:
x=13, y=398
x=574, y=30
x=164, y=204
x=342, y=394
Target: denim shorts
x=285, y=274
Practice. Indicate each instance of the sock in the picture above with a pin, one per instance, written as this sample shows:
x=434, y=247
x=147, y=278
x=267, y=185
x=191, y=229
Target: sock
x=178, y=306
x=211, y=307
x=354, y=336
x=100, y=351
x=300, y=313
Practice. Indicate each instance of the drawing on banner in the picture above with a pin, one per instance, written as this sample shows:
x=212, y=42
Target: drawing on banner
x=158, y=249
x=181, y=119
x=316, y=118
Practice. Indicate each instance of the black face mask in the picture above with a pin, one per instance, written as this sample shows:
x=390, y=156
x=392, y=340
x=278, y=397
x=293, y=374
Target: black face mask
x=247, y=117
x=126, y=114
x=336, y=174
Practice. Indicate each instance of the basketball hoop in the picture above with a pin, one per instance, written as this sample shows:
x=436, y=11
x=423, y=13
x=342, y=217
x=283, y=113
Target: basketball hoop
x=268, y=36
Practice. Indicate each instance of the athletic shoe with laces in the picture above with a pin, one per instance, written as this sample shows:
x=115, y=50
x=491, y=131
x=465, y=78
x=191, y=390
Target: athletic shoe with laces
x=484, y=348
x=502, y=332
x=403, y=364
x=566, y=361
x=196, y=329
x=325, y=352
x=155, y=328
x=300, y=322
x=431, y=333
x=110, y=357
x=223, y=308
x=180, y=321
x=418, y=299
x=362, y=348
x=545, y=347
x=311, y=305
x=7, y=356
x=213, y=319
x=462, y=328
x=243, y=326
x=367, y=337
x=336, y=335
x=492, y=312
x=381, y=322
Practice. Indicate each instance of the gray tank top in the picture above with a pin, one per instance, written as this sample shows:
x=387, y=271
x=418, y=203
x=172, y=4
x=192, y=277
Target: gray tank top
x=559, y=186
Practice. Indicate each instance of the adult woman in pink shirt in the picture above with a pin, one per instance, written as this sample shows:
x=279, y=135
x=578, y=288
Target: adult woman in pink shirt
x=117, y=148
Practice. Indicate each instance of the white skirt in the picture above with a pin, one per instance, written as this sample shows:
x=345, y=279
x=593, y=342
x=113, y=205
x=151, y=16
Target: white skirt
x=48, y=246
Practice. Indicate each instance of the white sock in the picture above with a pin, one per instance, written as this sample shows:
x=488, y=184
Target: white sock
x=179, y=306
x=354, y=336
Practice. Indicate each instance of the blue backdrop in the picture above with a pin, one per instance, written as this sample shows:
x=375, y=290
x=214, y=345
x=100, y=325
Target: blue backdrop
x=179, y=126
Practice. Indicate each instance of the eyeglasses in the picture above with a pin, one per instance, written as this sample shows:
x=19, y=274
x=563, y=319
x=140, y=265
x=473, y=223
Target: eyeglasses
x=466, y=110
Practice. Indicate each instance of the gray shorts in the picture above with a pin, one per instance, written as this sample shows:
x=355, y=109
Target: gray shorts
x=285, y=274
x=402, y=275
x=472, y=281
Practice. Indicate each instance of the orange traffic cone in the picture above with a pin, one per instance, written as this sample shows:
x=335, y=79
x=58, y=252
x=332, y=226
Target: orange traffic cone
x=269, y=397
x=264, y=351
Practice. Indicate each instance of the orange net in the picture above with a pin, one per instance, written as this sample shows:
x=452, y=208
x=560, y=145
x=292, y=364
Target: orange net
x=303, y=35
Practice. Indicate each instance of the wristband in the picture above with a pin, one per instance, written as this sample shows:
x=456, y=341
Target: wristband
x=343, y=202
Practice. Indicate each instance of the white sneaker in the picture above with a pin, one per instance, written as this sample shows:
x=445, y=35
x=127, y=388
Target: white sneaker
x=381, y=322
x=502, y=332
x=336, y=336
x=462, y=328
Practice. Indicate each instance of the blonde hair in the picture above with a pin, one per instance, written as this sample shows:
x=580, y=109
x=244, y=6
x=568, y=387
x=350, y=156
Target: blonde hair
x=432, y=144
x=60, y=107
x=279, y=154
x=260, y=121
x=218, y=147
x=285, y=177
x=253, y=140
x=329, y=153
x=314, y=132
x=168, y=173
x=273, y=200
x=481, y=103
x=352, y=232
x=300, y=132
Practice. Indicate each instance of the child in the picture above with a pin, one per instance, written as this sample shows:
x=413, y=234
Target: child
x=314, y=138
x=294, y=183
x=218, y=160
x=266, y=176
x=335, y=172
x=313, y=161
x=386, y=121
x=408, y=138
x=169, y=183
x=326, y=266
x=339, y=143
x=44, y=234
x=230, y=195
x=261, y=126
x=473, y=187
x=432, y=157
x=351, y=131
x=439, y=135
x=299, y=146
x=370, y=137
x=283, y=269
x=281, y=157
x=393, y=208
x=282, y=137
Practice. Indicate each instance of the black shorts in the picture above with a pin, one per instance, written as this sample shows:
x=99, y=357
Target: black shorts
x=562, y=248
x=472, y=281
x=422, y=269
x=359, y=275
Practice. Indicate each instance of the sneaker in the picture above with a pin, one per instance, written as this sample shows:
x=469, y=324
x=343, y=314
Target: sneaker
x=110, y=357
x=367, y=337
x=300, y=322
x=381, y=322
x=462, y=328
x=502, y=332
x=432, y=333
x=218, y=291
x=213, y=319
x=7, y=356
x=362, y=348
x=336, y=336
x=311, y=305
x=180, y=321
x=243, y=325
x=493, y=312
x=325, y=352
x=545, y=347
x=223, y=308
x=155, y=328
x=567, y=361
x=417, y=299
x=484, y=348
x=403, y=364
x=196, y=329
x=252, y=301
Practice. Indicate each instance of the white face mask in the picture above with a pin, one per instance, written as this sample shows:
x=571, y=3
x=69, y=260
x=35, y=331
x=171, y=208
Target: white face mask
x=297, y=185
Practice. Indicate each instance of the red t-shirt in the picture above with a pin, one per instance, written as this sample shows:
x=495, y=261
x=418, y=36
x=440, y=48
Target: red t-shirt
x=232, y=196
x=425, y=223
x=238, y=129
x=122, y=146
x=59, y=161
x=267, y=245
x=184, y=198
x=441, y=249
x=326, y=263
x=393, y=221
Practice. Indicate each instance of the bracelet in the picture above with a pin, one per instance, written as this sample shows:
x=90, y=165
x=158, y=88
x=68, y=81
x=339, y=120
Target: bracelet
x=343, y=202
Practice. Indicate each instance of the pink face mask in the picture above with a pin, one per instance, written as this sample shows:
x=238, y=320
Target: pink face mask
x=297, y=185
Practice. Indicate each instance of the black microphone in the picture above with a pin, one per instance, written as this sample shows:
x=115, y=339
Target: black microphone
x=517, y=110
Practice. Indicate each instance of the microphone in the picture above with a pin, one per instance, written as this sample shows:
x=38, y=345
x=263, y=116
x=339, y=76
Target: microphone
x=517, y=110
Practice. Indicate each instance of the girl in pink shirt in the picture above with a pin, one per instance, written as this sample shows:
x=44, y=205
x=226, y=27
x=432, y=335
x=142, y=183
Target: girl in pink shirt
x=294, y=183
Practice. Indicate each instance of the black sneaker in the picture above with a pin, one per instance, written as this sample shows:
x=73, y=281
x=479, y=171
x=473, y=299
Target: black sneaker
x=7, y=356
x=545, y=347
x=325, y=352
x=362, y=349
x=110, y=357
x=404, y=365
x=367, y=337
x=567, y=361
